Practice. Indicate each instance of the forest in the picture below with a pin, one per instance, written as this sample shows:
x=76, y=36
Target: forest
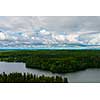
x=56, y=61
x=30, y=78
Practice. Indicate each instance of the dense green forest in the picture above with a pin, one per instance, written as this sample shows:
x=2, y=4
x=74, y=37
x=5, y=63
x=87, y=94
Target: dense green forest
x=56, y=61
x=29, y=78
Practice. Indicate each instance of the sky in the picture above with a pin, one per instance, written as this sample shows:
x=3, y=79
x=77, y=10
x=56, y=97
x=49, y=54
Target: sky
x=50, y=32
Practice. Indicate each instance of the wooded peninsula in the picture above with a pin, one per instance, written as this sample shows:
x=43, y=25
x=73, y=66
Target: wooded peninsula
x=56, y=61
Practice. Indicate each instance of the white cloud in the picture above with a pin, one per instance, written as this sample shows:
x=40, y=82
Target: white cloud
x=73, y=37
x=59, y=37
x=2, y=36
x=31, y=31
x=44, y=32
x=90, y=39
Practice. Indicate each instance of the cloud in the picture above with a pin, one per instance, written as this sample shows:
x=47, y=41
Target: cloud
x=49, y=31
x=2, y=36
x=71, y=23
x=51, y=23
x=90, y=39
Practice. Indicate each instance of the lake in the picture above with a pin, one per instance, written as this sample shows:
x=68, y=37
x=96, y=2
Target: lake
x=89, y=75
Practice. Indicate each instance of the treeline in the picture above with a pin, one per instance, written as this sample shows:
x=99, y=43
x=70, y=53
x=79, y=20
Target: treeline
x=56, y=61
x=29, y=78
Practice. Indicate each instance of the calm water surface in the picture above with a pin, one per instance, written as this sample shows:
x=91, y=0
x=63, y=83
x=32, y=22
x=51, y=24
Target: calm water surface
x=89, y=75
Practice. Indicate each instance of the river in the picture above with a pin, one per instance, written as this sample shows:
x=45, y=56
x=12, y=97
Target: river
x=86, y=76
